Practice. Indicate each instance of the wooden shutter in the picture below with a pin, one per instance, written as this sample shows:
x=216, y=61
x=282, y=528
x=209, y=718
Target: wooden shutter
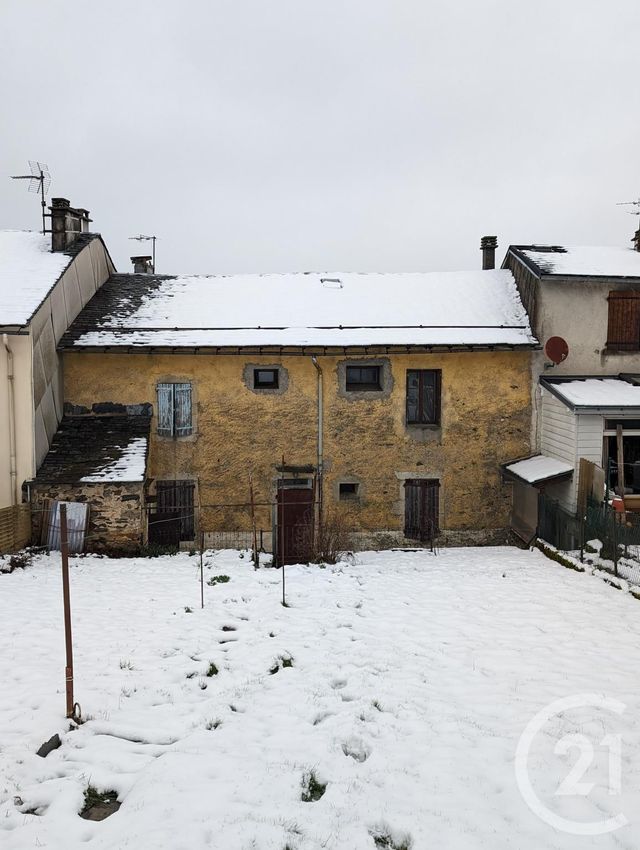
x=623, y=333
x=182, y=406
x=165, y=409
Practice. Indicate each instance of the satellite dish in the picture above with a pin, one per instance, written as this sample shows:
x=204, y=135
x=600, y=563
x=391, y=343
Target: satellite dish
x=556, y=349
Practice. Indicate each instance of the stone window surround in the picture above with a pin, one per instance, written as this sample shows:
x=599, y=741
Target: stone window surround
x=386, y=379
x=283, y=378
x=348, y=479
x=176, y=379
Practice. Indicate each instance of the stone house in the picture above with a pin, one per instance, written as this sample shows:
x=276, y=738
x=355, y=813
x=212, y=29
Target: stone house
x=45, y=281
x=584, y=306
x=387, y=401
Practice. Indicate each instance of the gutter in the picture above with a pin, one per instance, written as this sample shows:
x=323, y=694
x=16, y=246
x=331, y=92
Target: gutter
x=314, y=360
x=13, y=471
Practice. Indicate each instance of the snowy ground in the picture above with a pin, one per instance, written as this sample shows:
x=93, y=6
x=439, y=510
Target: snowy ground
x=412, y=679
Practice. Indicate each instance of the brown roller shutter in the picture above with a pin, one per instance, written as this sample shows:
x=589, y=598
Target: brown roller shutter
x=623, y=333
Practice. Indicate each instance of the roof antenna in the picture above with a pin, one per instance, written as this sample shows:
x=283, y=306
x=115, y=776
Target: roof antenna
x=39, y=181
x=631, y=204
x=636, y=236
x=151, y=239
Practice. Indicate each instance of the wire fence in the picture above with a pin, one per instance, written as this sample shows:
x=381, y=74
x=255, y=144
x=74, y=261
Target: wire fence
x=608, y=538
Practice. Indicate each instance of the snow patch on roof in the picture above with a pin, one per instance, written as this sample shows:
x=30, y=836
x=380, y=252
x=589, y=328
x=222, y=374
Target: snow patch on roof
x=448, y=308
x=586, y=260
x=539, y=468
x=599, y=392
x=28, y=270
x=130, y=466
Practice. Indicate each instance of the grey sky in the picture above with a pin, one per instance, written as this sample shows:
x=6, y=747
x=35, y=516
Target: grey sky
x=298, y=134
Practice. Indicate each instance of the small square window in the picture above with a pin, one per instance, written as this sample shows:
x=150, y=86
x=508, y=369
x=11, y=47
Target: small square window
x=265, y=379
x=363, y=379
x=348, y=490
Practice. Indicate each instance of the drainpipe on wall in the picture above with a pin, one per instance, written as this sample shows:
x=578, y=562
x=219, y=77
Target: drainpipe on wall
x=314, y=360
x=13, y=471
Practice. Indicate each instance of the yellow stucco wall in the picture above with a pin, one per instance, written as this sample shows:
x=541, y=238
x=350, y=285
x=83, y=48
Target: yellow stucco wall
x=485, y=421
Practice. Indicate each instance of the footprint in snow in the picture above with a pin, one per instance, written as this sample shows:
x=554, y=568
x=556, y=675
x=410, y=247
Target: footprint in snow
x=336, y=684
x=356, y=749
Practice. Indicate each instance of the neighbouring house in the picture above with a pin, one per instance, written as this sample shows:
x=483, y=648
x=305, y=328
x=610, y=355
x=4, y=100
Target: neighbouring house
x=45, y=280
x=386, y=402
x=584, y=306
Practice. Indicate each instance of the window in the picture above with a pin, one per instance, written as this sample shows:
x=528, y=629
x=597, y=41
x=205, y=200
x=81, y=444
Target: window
x=623, y=332
x=363, y=378
x=348, y=490
x=265, y=379
x=423, y=396
x=174, y=410
x=421, y=508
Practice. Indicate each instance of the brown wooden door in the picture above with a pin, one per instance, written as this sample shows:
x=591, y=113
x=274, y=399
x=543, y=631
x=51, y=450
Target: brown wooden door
x=295, y=524
x=421, y=508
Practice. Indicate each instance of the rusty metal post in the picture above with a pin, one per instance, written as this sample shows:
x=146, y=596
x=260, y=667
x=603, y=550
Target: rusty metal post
x=201, y=570
x=256, y=554
x=64, y=550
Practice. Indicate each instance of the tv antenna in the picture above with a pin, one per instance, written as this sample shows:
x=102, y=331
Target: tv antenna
x=39, y=181
x=151, y=239
x=631, y=204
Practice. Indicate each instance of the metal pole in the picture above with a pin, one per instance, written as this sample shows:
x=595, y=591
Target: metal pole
x=201, y=570
x=284, y=599
x=64, y=550
x=43, y=202
x=615, y=542
x=154, y=253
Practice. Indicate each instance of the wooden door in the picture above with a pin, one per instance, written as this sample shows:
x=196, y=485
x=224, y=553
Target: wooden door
x=421, y=508
x=294, y=523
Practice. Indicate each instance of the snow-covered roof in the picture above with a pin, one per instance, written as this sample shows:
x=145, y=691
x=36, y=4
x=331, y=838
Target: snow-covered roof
x=590, y=393
x=534, y=470
x=94, y=449
x=28, y=271
x=583, y=261
x=130, y=466
x=305, y=309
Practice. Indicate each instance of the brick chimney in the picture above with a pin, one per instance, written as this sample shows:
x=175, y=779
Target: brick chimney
x=66, y=223
x=636, y=240
x=488, y=245
x=142, y=265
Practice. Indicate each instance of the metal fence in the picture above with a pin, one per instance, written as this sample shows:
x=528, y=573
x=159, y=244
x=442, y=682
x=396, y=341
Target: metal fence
x=608, y=538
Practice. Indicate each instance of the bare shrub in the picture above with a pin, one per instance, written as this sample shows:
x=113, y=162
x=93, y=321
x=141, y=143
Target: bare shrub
x=332, y=543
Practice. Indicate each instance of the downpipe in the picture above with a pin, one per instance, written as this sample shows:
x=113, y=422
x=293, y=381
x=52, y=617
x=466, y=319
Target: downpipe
x=13, y=470
x=314, y=360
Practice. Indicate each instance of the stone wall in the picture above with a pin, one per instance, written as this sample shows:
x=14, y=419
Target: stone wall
x=115, y=513
x=486, y=414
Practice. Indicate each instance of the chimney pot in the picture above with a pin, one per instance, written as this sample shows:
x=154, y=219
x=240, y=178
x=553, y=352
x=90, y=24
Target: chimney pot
x=142, y=265
x=488, y=245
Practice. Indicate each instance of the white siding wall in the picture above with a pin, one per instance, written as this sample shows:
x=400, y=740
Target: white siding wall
x=85, y=275
x=569, y=437
x=590, y=437
x=559, y=438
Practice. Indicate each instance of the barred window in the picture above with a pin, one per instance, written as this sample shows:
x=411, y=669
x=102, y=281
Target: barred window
x=174, y=410
x=423, y=396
